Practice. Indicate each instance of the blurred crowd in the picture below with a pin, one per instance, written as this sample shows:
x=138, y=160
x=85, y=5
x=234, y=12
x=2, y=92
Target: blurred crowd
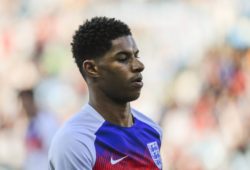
x=197, y=58
x=213, y=132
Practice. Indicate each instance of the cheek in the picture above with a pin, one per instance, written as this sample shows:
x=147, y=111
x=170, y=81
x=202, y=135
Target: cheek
x=117, y=75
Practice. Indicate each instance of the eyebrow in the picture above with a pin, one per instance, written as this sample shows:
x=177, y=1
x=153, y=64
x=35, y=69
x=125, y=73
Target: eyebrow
x=127, y=52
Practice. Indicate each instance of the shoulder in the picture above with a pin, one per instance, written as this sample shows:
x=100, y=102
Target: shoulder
x=69, y=151
x=142, y=117
x=73, y=145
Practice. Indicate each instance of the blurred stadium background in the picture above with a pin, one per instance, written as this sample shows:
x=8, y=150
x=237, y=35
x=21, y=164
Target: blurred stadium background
x=197, y=81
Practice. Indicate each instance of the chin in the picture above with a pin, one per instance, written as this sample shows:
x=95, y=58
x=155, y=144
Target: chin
x=126, y=98
x=133, y=97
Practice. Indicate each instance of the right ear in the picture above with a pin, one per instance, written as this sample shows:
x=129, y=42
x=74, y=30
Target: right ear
x=90, y=68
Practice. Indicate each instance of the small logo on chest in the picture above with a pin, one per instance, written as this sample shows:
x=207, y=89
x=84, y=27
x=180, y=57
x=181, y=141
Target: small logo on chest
x=155, y=153
x=115, y=161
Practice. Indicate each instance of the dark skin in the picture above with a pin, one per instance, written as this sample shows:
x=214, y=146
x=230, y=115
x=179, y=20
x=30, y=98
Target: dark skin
x=114, y=80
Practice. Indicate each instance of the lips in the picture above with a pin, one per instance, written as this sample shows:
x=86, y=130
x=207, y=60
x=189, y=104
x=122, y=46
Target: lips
x=137, y=81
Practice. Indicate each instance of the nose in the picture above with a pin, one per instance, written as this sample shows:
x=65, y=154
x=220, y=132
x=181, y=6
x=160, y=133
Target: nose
x=137, y=66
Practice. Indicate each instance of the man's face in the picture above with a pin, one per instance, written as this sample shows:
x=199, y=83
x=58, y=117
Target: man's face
x=120, y=71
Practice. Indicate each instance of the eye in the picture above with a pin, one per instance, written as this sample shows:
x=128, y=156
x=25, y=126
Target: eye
x=122, y=57
x=137, y=55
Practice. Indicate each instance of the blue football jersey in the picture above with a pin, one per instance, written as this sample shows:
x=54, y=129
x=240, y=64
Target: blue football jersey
x=88, y=142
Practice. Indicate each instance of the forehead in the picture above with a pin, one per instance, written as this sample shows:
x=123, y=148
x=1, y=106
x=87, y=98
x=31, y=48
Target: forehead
x=124, y=43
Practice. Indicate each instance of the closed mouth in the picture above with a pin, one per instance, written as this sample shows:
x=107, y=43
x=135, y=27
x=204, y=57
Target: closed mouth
x=137, y=79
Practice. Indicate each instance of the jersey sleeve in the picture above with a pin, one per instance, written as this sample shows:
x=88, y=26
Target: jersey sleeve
x=69, y=152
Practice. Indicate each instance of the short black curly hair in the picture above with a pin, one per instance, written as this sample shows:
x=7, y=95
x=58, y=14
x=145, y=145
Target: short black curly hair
x=93, y=38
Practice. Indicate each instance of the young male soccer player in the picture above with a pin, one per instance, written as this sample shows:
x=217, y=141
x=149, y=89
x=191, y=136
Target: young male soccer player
x=107, y=134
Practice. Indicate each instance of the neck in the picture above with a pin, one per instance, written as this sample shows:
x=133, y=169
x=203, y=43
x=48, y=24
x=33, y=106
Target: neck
x=111, y=110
